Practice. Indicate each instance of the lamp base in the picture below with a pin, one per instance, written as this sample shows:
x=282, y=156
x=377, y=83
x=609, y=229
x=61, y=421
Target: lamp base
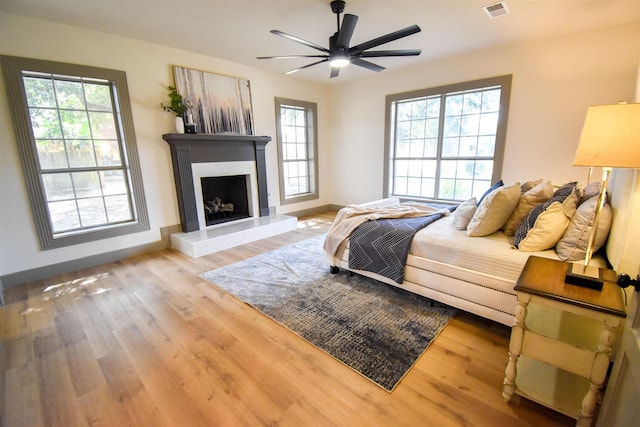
x=585, y=277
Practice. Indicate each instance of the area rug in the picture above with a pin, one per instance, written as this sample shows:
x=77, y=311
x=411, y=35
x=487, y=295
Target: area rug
x=376, y=329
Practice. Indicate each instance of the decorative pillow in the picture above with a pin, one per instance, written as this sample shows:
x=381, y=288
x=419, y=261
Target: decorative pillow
x=494, y=210
x=528, y=185
x=590, y=190
x=463, y=214
x=529, y=200
x=573, y=245
x=491, y=189
x=547, y=222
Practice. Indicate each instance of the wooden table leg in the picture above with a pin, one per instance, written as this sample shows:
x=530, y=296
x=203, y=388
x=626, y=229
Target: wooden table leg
x=515, y=346
x=598, y=373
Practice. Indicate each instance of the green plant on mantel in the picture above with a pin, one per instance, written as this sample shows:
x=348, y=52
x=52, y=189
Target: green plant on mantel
x=178, y=105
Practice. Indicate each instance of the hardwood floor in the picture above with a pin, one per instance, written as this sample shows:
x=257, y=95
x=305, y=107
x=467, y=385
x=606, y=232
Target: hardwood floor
x=147, y=342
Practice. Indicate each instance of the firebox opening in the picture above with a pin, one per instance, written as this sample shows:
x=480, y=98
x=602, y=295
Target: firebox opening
x=225, y=198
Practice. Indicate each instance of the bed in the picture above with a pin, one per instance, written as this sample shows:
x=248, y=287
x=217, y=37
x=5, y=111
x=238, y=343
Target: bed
x=478, y=273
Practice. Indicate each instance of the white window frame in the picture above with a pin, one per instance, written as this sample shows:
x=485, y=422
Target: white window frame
x=13, y=69
x=311, y=150
x=390, y=130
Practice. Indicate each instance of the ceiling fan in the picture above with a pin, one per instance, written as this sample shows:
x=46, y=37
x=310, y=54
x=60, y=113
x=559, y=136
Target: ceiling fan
x=340, y=54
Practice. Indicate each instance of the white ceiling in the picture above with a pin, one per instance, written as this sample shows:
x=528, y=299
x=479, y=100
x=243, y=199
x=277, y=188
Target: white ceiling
x=238, y=30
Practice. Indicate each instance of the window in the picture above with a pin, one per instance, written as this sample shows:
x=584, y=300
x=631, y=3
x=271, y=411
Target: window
x=75, y=136
x=446, y=143
x=296, y=128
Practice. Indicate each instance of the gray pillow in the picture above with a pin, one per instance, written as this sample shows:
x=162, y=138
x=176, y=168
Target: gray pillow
x=573, y=244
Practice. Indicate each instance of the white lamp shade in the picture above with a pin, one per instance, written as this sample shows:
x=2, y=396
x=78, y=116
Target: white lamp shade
x=610, y=137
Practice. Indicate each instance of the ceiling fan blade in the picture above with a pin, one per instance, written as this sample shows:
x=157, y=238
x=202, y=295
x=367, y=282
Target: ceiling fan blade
x=307, y=66
x=385, y=39
x=299, y=40
x=346, y=30
x=291, y=56
x=366, y=64
x=334, y=72
x=382, y=53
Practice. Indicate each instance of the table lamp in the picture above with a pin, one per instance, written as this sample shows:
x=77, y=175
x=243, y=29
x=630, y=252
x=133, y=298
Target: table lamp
x=610, y=138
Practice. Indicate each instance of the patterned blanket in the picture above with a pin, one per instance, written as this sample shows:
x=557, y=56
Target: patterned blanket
x=350, y=217
x=382, y=246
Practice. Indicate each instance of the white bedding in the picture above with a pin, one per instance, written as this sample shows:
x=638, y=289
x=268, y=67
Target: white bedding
x=494, y=254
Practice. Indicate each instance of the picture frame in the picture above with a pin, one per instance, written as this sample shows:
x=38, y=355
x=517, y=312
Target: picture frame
x=220, y=104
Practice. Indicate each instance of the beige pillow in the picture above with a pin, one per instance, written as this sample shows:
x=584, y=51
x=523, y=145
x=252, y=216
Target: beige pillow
x=573, y=244
x=545, y=225
x=529, y=200
x=494, y=210
x=528, y=185
x=463, y=213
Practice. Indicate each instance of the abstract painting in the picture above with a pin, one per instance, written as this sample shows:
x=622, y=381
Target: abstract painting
x=221, y=104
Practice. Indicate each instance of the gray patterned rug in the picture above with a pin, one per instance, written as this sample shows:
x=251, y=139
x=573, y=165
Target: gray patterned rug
x=376, y=329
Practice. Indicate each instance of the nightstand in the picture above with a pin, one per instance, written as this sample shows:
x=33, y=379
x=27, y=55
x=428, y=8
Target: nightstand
x=561, y=339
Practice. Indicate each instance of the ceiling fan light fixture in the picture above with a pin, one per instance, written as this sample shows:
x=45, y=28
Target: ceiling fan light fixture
x=340, y=54
x=339, y=61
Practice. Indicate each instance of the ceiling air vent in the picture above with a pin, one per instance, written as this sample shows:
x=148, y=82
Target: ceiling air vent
x=497, y=9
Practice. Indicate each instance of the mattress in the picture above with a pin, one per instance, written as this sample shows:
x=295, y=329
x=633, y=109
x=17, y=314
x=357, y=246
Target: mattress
x=494, y=255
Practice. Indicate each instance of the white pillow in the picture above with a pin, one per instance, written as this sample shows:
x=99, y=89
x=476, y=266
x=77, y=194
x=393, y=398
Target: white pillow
x=463, y=213
x=494, y=210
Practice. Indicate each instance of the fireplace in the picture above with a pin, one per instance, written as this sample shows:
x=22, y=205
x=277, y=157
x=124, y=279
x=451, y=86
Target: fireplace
x=237, y=162
x=197, y=156
x=225, y=198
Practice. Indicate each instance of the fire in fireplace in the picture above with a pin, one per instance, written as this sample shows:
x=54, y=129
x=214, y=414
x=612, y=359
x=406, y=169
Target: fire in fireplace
x=225, y=198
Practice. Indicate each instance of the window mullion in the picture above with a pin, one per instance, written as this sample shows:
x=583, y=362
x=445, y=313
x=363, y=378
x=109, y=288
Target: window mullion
x=440, y=144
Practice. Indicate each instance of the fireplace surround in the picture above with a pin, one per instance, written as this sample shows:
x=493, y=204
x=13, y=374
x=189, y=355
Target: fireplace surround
x=195, y=156
x=190, y=149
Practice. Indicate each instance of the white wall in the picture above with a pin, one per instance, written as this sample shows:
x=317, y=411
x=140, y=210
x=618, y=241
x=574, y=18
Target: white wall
x=638, y=84
x=554, y=81
x=149, y=71
x=628, y=261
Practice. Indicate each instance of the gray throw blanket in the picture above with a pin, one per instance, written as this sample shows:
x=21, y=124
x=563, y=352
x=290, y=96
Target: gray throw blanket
x=382, y=246
x=350, y=217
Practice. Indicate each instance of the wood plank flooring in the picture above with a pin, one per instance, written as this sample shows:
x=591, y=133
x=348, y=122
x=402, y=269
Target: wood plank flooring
x=146, y=342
